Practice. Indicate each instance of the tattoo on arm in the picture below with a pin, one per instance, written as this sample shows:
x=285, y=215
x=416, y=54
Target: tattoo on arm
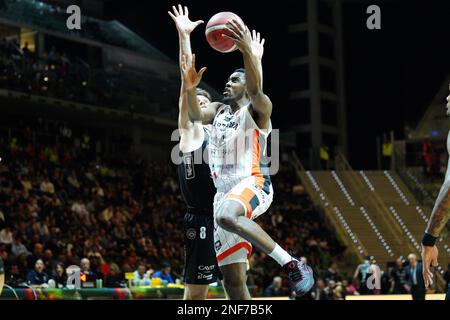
x=441, y=212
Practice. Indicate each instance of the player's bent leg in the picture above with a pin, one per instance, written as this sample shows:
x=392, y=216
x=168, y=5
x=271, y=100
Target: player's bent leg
x=195, y=291
x=235, y=281
x=231, y=217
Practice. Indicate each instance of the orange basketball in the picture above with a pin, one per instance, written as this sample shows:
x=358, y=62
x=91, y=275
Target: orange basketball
x=216, y=27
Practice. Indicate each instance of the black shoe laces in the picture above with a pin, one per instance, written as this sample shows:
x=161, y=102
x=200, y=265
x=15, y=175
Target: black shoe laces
x=295, y=274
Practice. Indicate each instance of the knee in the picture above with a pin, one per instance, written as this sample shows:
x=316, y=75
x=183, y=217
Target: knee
x=226, y=221
x=228, y=215
x=235, y=282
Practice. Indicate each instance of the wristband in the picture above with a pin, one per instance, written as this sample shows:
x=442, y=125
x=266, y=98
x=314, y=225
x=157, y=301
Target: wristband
x=428, y=240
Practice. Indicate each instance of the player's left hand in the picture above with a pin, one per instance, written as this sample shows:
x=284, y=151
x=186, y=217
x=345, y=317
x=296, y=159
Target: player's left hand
x=191, y=77
x=429, y=257
x=240, y=35
x=257, y=45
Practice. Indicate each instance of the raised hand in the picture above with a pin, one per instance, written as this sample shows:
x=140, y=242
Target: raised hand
x=257, y=45
x=240, y=35
x=429, y=257
x=191, y=77
x=181, y=18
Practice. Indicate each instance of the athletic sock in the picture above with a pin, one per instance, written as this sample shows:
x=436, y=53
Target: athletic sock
x=280, y=255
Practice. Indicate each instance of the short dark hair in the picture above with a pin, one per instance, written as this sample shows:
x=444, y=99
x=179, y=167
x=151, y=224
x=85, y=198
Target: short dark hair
x=240, y=70
x=203, y=92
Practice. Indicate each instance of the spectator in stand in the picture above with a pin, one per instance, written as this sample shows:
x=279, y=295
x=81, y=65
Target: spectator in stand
x=414, y=278
x=332, y=272
x=38, y=276
x=59, y=277
x=15, y=278
x=47, y=187
x=115, y=278
x=85, y=268
x=319, y=292
x=18, y=248
x=6, y=236
x=398, y=275
x=141, y=277
x=276, y=289
x=164, y=273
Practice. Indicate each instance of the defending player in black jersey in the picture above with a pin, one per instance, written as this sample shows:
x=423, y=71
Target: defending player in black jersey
x=195, y=180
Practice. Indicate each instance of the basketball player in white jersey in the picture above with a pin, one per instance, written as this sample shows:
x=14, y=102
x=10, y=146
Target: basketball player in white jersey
x=438, y=220
x=241, y=125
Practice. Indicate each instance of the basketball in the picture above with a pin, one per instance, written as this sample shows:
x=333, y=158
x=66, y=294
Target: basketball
x=216, y=27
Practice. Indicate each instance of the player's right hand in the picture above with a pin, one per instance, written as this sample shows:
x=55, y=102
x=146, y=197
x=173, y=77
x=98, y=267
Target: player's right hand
x=191, y=78
x=429, y=257
x=182, y=21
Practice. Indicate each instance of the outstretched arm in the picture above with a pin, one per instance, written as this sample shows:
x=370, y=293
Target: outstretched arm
x=185, y=27
x=191, y=80
x=252, y=49
x=439, y=218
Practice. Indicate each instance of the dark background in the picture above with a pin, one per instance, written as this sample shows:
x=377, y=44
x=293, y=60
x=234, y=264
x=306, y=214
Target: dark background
x=391, y=74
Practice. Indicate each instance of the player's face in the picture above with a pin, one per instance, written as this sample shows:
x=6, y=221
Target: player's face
x=235, y=87
x=203, y=101
x=448, y=102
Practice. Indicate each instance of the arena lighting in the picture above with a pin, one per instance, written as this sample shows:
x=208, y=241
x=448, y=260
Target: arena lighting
x=396, y=187
x=367, y=181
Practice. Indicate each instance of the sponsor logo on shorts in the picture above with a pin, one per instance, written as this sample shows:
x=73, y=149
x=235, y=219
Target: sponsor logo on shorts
x=204, y=276
x=206, y=268
x=218, y=245
x=191, y=233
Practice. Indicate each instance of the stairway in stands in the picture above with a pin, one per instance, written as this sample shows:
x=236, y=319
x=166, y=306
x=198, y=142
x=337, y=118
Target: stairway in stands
x=374, y=211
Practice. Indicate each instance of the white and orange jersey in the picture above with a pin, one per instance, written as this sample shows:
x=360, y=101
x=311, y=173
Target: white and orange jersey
x=236, y=147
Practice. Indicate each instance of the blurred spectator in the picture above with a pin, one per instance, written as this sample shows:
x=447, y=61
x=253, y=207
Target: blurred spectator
x=59, y=277
x=6, y=236
x=164, y=273
x=38, y=275
x=332, y=273
x=14, y=276
x=318, y=292
x=276, y=289
x=114, y=278
x=141, y=277
x=361, y=274
x=18, y=248
x=398, y=276
x=414, y=278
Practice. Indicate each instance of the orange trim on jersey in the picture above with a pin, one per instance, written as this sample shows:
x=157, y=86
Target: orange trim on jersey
x=244, y=197
x=256, y=157
x=259, y=181
x=235, y=248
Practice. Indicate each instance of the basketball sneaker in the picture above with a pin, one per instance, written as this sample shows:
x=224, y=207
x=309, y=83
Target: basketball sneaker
x=300, y=275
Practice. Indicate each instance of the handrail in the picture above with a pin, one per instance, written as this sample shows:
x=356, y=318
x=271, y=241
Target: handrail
x=376, y=200
x=301, y=173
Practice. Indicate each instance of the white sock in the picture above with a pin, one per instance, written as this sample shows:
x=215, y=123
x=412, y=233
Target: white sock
x=280, y=255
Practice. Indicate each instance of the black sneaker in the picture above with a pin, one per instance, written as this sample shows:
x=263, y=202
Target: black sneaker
x=300, y=275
